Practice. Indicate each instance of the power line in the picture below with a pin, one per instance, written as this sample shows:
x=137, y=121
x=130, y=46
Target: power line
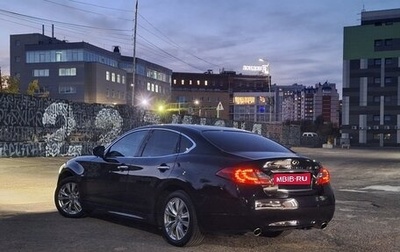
x=103, y=7
x=169, y=41
x=86, y=11
x=123, y=38
x=59, y=22
x=176, y=45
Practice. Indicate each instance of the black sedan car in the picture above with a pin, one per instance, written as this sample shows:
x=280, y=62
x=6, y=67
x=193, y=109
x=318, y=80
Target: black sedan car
x=191, y=179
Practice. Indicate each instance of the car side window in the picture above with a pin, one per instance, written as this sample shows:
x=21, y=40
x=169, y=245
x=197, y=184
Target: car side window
x=127, y=146
x=161, y=143
x=185, y=144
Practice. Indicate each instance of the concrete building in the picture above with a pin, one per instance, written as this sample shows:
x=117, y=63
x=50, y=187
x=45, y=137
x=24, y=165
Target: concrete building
x=371, y=80
x=201, y=93
x=297, y=103
x=289, y=103
x=81, y=72
x=326, y=103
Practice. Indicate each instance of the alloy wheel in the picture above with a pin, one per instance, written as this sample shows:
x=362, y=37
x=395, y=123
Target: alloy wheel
x=176, y=219
x=68, y=199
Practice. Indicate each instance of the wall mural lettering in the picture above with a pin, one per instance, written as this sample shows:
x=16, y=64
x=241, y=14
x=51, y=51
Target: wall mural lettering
x=31, y=126
x=51, y=116
x=109, y=120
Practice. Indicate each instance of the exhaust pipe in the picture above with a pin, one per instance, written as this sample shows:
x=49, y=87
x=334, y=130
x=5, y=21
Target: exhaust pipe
x=324, y=225
x=257, y=231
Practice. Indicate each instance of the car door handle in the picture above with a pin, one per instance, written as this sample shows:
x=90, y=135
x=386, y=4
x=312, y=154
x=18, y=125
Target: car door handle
x=122, y=167
x=163, y=168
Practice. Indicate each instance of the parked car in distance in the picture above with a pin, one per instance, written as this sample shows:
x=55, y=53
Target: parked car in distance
x=190, y=180
x=309, y=134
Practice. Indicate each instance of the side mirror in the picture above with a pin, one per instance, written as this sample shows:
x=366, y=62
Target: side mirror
x=98, y=151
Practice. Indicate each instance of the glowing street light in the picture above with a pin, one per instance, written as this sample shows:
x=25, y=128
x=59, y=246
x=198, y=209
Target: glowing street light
x=197, y=103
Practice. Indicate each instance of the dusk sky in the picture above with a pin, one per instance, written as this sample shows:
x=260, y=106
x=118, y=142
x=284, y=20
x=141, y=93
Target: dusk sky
x=302, y=40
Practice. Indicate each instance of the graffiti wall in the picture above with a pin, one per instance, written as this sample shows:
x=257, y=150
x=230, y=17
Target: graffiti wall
x=31, y=126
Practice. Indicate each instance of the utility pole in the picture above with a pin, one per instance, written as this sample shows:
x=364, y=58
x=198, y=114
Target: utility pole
x=134, y=54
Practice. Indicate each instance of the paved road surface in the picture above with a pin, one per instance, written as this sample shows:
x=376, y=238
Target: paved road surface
x=366, y=183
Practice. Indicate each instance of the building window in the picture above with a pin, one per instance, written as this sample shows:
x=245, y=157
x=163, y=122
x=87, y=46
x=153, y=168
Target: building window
x=190, y=82
x=387, y=118
x=198, y=82
x=113, y=77
x=388, y=80
x=118, y=78
x=174, y=81
x=107, y=75
x=377, y=62
x=123, y=79
x=67, y=71
x=378, y=42
x=388, y=42
x=377, y=118
x=377, y=80
x=183, y=82
x=148, y=86
x=388, y=61
x=41, y=72
x=67, y=90
x=58, y=57
x=206, y=83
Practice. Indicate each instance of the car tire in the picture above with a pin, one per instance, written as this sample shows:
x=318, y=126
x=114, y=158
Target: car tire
x=179, y=221
x=67, y=199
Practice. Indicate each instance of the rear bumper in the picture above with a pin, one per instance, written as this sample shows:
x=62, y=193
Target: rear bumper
x=274, y=214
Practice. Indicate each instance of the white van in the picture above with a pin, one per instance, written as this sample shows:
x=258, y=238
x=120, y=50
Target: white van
x=310, y=134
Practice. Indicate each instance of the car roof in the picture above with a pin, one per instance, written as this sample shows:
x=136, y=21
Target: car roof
x=190, y=127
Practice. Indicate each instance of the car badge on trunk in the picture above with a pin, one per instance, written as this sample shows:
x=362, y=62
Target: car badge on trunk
x=295, y=162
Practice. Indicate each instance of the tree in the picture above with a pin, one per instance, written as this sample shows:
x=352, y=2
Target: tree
x=9, y=85
x=33, y=87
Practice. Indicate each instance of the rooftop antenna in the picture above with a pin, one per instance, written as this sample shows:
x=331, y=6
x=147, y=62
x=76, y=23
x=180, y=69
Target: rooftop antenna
x=362, y=11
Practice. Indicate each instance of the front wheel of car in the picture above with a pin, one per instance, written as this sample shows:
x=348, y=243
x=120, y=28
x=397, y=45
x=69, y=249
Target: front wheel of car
x=179, y=226
x=67, y=198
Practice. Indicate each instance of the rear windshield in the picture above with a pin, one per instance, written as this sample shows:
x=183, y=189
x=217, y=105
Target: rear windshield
x=237, y=141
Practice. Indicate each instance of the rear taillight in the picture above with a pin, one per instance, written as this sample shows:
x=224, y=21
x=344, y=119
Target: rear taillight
x=247, y=176
x=323, y=177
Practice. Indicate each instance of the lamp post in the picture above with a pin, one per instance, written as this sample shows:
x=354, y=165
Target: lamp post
x=265, y=70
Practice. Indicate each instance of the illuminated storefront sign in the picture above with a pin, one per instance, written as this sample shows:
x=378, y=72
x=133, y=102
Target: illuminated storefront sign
x=244, y=100
x=263, y=68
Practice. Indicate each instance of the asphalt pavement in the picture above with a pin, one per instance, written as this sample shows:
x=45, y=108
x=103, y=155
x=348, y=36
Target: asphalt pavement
x=366, y=184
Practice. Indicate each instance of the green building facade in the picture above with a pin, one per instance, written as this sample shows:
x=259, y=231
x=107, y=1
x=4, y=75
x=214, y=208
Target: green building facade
x=371, y=80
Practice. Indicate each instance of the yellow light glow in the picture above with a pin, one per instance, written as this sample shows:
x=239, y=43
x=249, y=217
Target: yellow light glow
x=244, y=100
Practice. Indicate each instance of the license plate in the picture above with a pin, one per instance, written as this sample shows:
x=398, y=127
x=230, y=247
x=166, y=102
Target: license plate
x=292, y=179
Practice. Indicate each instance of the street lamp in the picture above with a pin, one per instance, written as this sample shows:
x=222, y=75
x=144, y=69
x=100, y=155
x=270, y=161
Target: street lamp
x=197, y=103
x=266, y=72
